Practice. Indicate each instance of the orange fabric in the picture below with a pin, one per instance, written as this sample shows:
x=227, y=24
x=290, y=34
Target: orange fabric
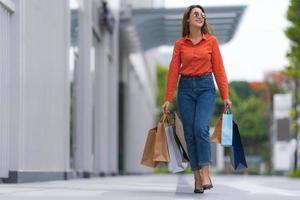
x=196, y=59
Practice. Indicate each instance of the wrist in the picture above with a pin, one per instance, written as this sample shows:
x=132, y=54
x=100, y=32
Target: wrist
x=167, y=100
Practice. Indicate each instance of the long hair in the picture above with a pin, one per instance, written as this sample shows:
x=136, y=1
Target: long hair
x=185, y=24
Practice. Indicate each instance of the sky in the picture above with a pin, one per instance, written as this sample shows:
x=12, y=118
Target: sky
x=259, y=44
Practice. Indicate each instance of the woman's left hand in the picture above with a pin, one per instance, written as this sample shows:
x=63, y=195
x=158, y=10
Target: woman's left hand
x=227, y=103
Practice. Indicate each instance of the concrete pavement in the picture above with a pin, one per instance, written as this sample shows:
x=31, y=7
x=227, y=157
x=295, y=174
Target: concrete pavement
x=156, y=187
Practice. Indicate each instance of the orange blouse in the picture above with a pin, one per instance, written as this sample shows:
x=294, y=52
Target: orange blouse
x=196, y=59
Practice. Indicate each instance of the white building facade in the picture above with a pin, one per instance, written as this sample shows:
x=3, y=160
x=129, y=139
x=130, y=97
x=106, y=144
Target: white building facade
x=90, y=119
x=56, y=127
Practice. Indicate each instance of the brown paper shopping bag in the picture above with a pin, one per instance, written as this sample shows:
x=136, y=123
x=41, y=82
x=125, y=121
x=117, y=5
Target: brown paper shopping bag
x=161, y=148
x=216, y=136
x=156, y=149
x=147, y=158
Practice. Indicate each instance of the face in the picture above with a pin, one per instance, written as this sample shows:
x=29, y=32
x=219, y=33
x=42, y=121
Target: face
x=197, y=18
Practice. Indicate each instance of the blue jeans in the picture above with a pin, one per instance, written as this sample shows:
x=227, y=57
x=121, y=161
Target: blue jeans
x=196, y=101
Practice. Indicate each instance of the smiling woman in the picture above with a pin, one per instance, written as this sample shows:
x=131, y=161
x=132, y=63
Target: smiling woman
x=195, y=17
x=196, y=56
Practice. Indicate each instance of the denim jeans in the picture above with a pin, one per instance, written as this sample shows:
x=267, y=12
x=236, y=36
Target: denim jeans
x=196, y=101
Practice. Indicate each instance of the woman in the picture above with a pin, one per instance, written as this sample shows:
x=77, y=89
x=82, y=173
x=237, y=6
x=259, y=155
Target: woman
x=196, y=56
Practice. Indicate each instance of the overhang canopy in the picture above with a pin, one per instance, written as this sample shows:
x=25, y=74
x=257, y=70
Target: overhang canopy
x=148, y=28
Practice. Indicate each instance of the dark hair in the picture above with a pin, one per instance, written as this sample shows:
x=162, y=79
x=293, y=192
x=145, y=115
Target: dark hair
x=185, y=24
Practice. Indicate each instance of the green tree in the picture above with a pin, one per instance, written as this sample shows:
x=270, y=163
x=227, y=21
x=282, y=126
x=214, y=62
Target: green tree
x=242, y=88
x=252, y=119
x=293, y=69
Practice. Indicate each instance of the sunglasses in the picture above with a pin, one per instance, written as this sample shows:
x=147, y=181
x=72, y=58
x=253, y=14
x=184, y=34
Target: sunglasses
x=199, y=15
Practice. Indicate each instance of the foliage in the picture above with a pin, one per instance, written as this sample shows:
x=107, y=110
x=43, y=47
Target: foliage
x=242, y=88
x=161, y=84
x=293, y=33
x=161, y=170
x=164, y=170
x=294, y=173
x=252, y=120
x=293, y=69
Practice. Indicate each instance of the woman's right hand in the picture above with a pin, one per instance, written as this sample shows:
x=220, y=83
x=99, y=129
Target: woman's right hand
x=165, y=107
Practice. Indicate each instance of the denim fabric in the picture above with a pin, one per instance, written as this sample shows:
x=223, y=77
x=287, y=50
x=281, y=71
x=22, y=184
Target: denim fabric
x=196, y=101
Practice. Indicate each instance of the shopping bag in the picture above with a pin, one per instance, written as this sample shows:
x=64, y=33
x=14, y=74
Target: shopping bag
x=160, y=147
x=156, y=150
x=216, y=136
x=176, y=155
x=184, y=153
x=226, y=130
x=148, y=154
x=237, y=157
x=179, y=136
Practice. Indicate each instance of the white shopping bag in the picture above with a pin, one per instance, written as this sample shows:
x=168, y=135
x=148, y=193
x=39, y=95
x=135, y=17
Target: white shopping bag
x=176, y=163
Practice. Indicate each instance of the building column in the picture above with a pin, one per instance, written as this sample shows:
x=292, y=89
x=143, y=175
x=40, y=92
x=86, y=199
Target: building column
x=6, y=11
x=101, y=127
x=83, y=91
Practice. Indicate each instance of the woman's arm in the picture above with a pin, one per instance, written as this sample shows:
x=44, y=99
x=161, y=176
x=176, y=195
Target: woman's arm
x=219, y=73
x=173, y=72
x=219, y=70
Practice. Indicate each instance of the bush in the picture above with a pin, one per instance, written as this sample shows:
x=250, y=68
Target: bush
x=165, y=170
x=294, y=173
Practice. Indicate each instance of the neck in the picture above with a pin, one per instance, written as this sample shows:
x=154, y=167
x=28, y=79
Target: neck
x=195, y=32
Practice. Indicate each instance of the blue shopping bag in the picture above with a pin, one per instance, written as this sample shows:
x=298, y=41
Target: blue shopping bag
x=237, y=157
x=226, y=131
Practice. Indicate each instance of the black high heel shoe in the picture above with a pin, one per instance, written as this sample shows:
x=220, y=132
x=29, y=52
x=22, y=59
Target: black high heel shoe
x=208, y=186
x=198, y=190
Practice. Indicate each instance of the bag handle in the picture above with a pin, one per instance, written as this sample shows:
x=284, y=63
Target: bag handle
x=227, y=110
x=165, y=118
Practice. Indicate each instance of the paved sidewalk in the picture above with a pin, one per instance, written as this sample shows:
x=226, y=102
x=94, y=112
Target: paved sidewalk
x=155, y=187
